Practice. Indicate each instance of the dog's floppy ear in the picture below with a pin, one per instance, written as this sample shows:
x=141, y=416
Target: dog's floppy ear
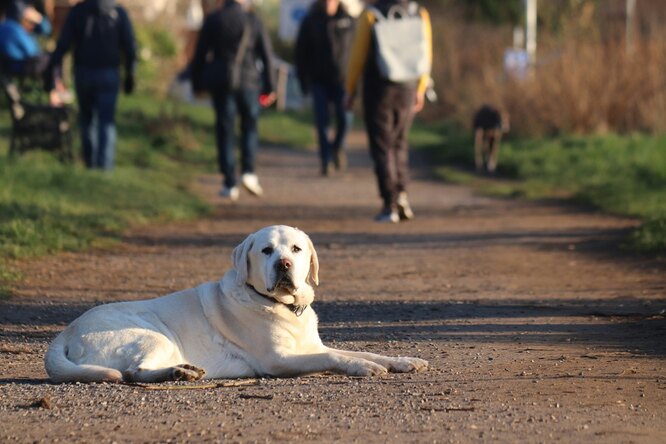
x=239, y=259
x=313, y=276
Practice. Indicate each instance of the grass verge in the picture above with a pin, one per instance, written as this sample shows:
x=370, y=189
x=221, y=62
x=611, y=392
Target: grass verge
x=619, y=174
x=46, y=207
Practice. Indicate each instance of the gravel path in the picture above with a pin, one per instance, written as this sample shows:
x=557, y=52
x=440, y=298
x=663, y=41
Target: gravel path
x=537, y=328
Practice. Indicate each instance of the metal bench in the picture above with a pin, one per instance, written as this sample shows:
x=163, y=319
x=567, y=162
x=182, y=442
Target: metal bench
x=36, y=125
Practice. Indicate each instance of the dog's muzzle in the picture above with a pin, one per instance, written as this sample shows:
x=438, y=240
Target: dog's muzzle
x=283, y=277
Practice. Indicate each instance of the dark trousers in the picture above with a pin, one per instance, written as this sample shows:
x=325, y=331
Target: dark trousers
x=227, y=104
x=323, y=97
x=388, y=113
x=97, y=94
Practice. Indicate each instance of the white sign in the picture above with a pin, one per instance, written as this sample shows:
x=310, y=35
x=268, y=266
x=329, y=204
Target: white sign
x=291, y=15
x=516, y=63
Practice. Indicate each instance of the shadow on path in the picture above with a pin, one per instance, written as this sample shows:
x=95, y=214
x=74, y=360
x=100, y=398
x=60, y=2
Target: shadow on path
x=629, y=324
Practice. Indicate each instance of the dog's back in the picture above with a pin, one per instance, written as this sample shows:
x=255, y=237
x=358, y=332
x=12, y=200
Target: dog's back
x=487, y=118
x=489, y=124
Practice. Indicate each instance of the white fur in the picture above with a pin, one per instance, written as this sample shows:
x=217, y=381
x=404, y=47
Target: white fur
x=217, y=330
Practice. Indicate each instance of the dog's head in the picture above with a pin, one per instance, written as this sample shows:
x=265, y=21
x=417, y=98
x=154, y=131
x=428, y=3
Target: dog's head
x=279, y=261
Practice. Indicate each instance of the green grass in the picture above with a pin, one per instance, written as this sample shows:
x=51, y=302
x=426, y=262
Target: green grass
x=620, y=174
x=46, y=207
x=287, y=129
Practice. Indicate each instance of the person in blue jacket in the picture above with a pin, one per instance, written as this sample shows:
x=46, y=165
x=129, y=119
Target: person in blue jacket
x=103, y=39
x=20, y=52
x=18, y=43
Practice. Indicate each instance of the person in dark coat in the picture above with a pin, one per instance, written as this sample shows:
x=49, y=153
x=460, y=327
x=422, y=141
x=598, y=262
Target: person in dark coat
x=322, y=51
x=218, y=45
x=101, y=33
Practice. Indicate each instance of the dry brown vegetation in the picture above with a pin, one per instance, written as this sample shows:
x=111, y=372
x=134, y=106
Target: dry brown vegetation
x=586, y=80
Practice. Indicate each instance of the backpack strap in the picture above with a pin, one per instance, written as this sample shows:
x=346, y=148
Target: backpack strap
x=398, y=10
x=236, y=67
x=245, y=41
x=413, y=8
x=376, y=12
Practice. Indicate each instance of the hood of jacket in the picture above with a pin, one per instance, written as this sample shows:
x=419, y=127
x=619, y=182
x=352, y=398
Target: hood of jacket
x=102, y=7
x=15, y=10
x=318, y=7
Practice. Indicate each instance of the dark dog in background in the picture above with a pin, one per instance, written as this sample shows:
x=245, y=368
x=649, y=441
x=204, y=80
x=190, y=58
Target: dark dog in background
x=489, y=124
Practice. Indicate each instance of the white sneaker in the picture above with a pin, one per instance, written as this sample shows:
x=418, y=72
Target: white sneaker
x=230, y=193
x=251, y=183
x=404, y=210
x=387, y=215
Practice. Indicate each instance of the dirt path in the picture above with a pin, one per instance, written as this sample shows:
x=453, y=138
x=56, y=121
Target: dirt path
x=536, y=327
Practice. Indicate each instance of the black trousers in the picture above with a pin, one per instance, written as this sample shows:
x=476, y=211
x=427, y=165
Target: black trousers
x=388, y=114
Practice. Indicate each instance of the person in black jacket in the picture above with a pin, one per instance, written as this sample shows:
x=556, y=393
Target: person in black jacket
x=102, y=36
x=322, y=50
x=227, y=32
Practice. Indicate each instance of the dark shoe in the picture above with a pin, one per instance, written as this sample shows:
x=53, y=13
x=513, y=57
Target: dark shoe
x=388, y=215
x=340, y=160
x=325, y=171
x=230, y=193
x=404, y=210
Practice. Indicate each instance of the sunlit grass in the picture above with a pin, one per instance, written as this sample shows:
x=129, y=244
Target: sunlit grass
x=46, y=206
x=620, y=174
x=287, y=129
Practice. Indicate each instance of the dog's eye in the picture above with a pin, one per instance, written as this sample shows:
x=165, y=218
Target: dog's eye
x=295, y=248
x=267, y=251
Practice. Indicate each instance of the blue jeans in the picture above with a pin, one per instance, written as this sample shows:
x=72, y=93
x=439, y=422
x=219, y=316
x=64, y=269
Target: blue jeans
x=97, y=94
x=227, y=104
x=323, y=96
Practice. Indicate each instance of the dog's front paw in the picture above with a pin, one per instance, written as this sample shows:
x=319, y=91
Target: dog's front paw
x=187, y=372
x=406, y=365
x=366, y=368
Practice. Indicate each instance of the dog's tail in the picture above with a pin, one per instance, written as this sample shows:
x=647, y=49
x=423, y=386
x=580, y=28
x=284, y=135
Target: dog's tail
x=61, y=369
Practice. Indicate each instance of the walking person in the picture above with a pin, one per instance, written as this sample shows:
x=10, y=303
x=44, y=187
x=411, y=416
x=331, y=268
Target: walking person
x=101, y=33
x=390, y=101
x=322, y=52
x=235, y=40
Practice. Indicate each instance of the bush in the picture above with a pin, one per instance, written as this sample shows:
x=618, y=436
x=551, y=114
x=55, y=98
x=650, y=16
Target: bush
x=584, y=82
x=592, y=88
x=158, y=51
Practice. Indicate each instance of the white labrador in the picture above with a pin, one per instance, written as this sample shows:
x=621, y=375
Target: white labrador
x=256, y=321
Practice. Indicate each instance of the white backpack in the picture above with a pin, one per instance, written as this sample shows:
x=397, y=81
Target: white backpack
x=402, y=54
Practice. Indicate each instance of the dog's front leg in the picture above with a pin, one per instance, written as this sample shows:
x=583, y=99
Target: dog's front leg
x=478, y=149
x=494, y=150
x=398, y=365
x=328, y=361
